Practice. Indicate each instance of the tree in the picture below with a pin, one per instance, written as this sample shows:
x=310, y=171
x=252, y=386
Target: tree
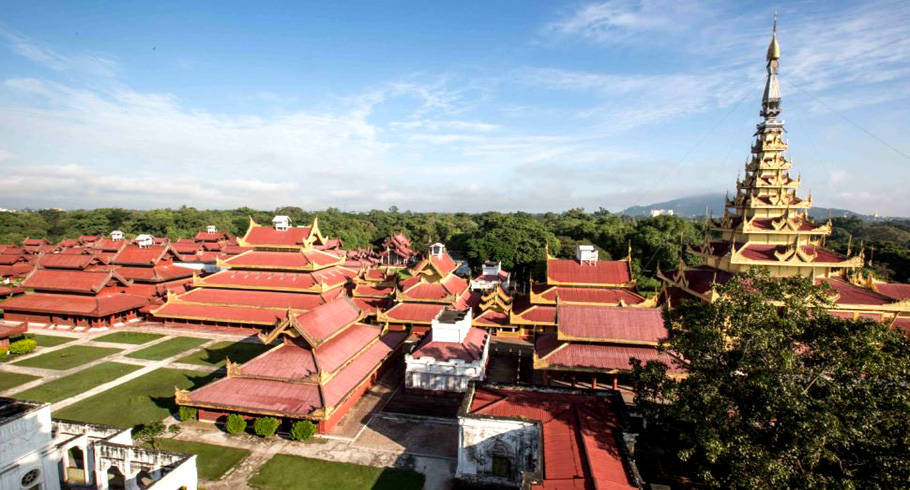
x=235, y=424
x=779, y=393
x=266, y=426
x=302, y=430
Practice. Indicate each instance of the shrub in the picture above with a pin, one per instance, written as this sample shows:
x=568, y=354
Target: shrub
x=23, y=346
x=265, y=426
x=174, y=429
x=302, y=430
x=4, y=351
x=187, y=413
x=146, y=433
x=235, y=424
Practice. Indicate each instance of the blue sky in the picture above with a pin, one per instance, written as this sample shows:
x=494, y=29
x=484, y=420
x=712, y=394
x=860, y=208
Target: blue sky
x=443, y=106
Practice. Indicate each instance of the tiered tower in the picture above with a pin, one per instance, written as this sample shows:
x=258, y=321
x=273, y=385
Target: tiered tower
x=766, y=224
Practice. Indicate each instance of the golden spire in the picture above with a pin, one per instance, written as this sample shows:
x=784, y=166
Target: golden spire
x=773, y=48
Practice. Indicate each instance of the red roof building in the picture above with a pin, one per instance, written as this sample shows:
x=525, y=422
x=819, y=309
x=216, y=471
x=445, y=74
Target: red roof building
x=397, y=251
x=548, y=439
x=74, y=291
x=431, y=287
x=324, y=363
x=280, y=272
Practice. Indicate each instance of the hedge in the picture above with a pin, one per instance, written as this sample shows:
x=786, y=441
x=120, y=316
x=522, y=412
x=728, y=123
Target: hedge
x=187, y=413
x=235, y=424
x=265, y=426
x=302, y=430
x=23, y=346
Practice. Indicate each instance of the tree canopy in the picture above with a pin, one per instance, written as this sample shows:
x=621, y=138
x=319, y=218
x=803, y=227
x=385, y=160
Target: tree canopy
x=779, y=393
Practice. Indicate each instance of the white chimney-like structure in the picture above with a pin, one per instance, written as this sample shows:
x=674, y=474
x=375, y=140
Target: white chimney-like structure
x=211, y=229
x=437, y=249
x=450, y=326
x=116, y=235
x=492, y=268
x=145, y=241
x=586, y=253
x=281, y=223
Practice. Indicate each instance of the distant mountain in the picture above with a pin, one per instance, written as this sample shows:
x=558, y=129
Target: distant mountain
x=694, y=206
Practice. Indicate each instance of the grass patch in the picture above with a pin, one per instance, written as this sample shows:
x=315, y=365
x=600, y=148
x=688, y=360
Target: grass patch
x=218, y=353
x=168, y=348
x=10, y=380
x=144, y=400
x=128, y=337
x=67, y=386
x=68, y=357
x=295, y=472
x=212, y=461
x=50, y=340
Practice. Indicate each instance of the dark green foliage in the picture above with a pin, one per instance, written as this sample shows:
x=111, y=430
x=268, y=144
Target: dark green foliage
x=302, y=430
x=779, y=395
x=235, y=424
x=146, y=433
x=265, y=426
x=4, y=352
x=187, y=413
x=23, y=346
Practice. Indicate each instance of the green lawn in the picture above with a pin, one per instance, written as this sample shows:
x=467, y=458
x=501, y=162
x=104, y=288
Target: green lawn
x=295, y=472
x=128, y=337
x=67, y=386
x=68, y=357
x=9, y=380
x=168, y=348
x=216, y=354
x=146, y=399
x=50, y=340
x=211, y=461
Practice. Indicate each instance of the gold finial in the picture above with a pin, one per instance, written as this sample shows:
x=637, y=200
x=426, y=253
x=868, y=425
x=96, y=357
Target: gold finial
x=773, y=48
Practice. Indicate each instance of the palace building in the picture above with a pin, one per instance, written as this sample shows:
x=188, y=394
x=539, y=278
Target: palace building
x=431, y=287
x=74, y=291
x=766, y=226
x=325, y=362
x=282, y=271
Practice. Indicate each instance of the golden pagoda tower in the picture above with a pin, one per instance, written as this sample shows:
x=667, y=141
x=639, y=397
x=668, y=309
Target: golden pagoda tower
x=766, y=224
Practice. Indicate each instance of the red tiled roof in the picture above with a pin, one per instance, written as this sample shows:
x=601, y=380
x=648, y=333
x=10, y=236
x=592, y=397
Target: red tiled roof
x=894, y=290
x=599, y=323
x=492, y=318
x=338, y=388
x=588, y=295
x=332, y=354
x=259, y=395
x=324, y=321
x=265, y=299
x=414, y=312
x=267, y=235
x=230, y=314
x=136, y=255
x=72, y=304
x=579, y=446
x=570, y=271
x=68, y=280
x=848, y=294
x=470, y=350
x=596, y=356
x=309, y=259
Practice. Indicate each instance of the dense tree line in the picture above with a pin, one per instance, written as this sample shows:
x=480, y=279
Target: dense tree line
x=518, y=239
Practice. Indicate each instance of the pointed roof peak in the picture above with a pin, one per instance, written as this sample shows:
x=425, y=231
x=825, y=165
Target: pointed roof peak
x=773, y=47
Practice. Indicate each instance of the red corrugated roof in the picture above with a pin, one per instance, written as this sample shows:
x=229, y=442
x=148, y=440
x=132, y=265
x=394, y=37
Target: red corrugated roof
x=280, y=260
x=470, y=350
x=335, y=276
x=579, y=447
x=367, y=290
x=267, y=235
x=610, y=322
x=158, y=273
x=596, y=356
x=71, y=304
x=537, y=314
x=371, y=306
x=108, y=245
x=848, y=294
x=894, y=290
x=588, y=295
x=7, y=331
x=136, y=255
x=290, y=361
x=569, y=271
x=492, y=318
x=232, y=314
x=414, y=312
x=68, y=280
x=249, y=394
x=66, y=261
x=12, y=258
x=203, y=236
x=323, y=321
x=339, y=349
x=267, y=299
x=340, y=386
x=443, y=263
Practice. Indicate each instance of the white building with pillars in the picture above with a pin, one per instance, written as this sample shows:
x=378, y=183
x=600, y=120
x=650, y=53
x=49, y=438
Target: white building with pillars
x=38, y=453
